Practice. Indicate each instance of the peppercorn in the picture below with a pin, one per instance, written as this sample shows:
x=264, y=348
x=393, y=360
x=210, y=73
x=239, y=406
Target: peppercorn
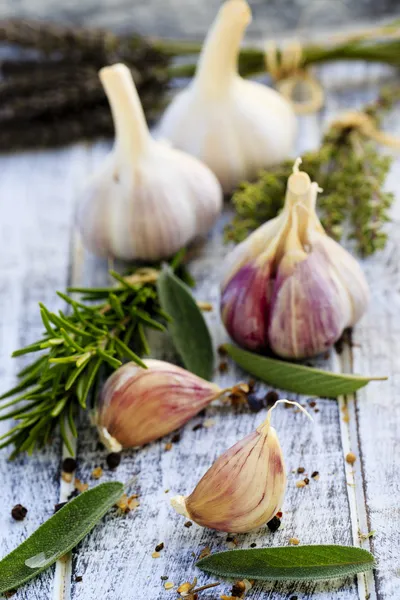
x=113, y=460
x=255, y=403
x=271, y=397
x=69, y=465
x=159, y=547
x=274, y=524
x=58, y=506
x=18, y=513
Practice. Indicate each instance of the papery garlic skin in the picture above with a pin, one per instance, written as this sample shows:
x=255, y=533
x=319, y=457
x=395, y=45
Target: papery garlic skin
x=140, y=405
x=148, y=200
x=295, y=293
x=235, y=126
x=243, y=489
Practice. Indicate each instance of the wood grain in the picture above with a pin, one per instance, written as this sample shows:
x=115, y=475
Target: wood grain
x=37, y=192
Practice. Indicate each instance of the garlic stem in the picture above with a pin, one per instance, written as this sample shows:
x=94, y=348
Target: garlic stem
x=266, y=424
x=132, y=136
x=218, y=59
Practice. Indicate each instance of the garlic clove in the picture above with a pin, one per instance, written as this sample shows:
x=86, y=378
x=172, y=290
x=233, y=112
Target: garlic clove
x=235, y=126
x=148, y=200
x=139, y=405
x=243, y=489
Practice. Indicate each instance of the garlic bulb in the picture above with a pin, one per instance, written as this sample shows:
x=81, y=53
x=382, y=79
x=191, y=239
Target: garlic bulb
x=289, y=287
x=245, y=486
x=148, y=200
x=234, y=126
x=140, y=405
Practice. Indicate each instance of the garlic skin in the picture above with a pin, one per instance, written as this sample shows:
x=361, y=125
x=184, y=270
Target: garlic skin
x=235, y=126
x=140, y=405
x=295, y=293
x=243, y=489
x=148, y=200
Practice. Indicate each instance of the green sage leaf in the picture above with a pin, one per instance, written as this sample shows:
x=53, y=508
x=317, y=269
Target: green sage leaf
x=58, y=535
x=188, y=328
x=298, y=378
x=286, y=563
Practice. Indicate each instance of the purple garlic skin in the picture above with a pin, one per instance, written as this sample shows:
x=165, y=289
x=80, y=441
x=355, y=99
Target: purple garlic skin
x=295, y=294
x=139, y=405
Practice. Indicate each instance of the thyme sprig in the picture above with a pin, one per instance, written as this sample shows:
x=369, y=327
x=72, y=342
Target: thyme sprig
x=76, y=351
x=350, y=169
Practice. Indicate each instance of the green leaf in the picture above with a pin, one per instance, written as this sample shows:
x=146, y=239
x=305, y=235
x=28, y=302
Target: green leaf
x=58, y=535
x=312, y=563
x=129, y=353
x=298, y=378
x=188, y=329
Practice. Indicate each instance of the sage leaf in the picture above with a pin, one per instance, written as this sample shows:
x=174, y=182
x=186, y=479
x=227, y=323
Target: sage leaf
x=188, y=328
x=286, y=563
x=298, y=378
x=58, y=535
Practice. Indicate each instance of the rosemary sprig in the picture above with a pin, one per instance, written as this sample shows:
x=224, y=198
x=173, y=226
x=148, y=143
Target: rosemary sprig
x=77, y=350
x=351, y=171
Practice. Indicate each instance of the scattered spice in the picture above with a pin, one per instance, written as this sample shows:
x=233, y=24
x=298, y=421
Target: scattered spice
x=300, y=484
x=253, y=545
x=176, y=438
x=279, y=514
x=301, y=470
x=274, y=524
x=164, y=577
x=156, y=555
x=187, y=587
x=113, y=460
x=159, y=547
x=255, y=403
x=69, y=465
x=168, y=446
x=67, y=477
x=312, y=403
x=97, y=473
x=316, y=410
x=351, y=458
x=169, y=585
x=78, y=578
x=222, y=350
x=188, y=524
x=315, y=475
x=58, y=506
x=271, y=398
x=294, y=541
x=209, y=423
x=81, y=487
x=126, y=504
x=223, y=366
x=197, y=427
x=205, y=552
x=19, y=512
x=306, y=480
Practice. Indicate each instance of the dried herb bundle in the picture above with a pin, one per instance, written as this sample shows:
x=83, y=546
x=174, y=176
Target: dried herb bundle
x=350, y=170
x=55, y=90
x=77, y=350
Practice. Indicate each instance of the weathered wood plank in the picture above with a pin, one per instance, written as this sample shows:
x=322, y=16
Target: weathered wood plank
x=36, y=213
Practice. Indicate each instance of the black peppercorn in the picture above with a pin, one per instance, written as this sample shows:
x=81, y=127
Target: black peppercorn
x=274, y=524
x=19, y=512
x=69, y=465
x=271, y=397
x=113, y=460
x=255, y=403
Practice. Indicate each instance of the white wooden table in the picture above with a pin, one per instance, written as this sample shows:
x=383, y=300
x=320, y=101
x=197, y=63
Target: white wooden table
x=38, y=255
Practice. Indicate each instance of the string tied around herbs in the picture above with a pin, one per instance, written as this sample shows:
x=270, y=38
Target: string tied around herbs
x=366, y=125
x=286, y=67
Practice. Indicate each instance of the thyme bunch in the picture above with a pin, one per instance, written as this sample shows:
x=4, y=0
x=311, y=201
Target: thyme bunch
x=76, y=351
x=351, y=171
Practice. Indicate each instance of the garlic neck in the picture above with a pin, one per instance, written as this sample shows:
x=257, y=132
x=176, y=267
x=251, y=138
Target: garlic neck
x=217, y=64
x=132, y=137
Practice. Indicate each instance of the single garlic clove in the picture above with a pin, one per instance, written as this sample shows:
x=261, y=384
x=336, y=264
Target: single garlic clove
x=148, y=200
x=140, y=405
x=235, y=126
x=243, y=489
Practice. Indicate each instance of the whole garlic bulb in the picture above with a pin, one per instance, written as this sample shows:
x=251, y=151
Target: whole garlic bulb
x=148, y=200
x=139, y=405
x=244, y=488
x=289, y=287
x=234, y=126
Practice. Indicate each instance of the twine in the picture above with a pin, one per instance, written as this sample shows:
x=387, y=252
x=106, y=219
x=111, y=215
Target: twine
x=366, y=125
x=287, y=70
